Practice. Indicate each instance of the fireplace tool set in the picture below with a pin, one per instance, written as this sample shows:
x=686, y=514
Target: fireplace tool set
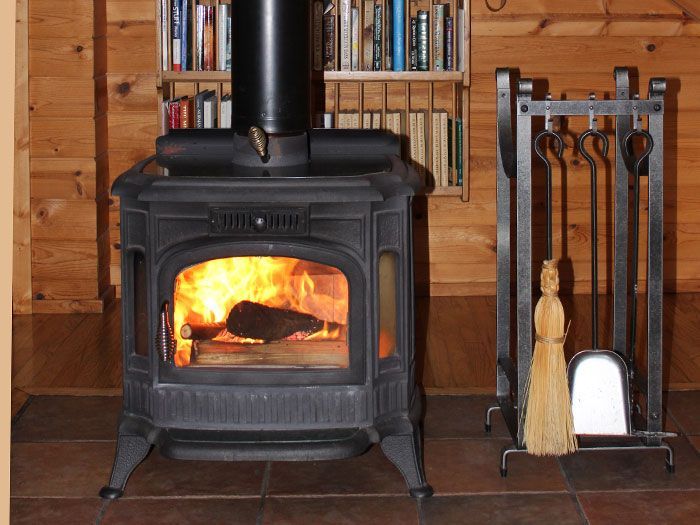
x=603, y=385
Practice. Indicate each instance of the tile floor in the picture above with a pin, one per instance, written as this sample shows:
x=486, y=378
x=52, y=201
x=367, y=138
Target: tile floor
x=63, y=449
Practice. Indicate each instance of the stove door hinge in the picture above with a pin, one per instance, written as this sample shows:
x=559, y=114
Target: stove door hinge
x=165, y=342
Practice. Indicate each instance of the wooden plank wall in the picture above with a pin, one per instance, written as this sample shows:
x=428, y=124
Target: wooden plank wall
x=575, y=45
x=131, y=98
x=68, y=194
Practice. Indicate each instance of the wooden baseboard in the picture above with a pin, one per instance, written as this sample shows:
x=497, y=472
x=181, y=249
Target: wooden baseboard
x=71, y=391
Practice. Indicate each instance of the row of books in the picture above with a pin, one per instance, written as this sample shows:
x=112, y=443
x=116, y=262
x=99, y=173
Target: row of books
x=446, y=139
x=196, y=35
x=372, y=35
x=199, y=111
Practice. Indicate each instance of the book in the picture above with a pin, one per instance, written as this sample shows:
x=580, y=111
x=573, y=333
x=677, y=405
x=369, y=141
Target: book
x=228, y=42
x=459, y=35
x=444, y=150
x=345, y=35
x=413, y=44
x=210, y=110
x=328, y=120
x=199, y=109
x=439, y=37
x=199, y=37
x=413, y=138
x=435, y=149
x=388, y=33
x=376, y=120
x=368, y=35
x=398, y=46
x=318, y=35
x=328, y=42
x=349, y=120
x=184, y=33
x=165, y=34
x=377, y=44
x=367, y=120
x=422, y=41
x=449, y=44
x=459, y=148
x=450, y=159
x=184, y=113
x=421, y=145
x=221, y=31
x=355, y=57
x=209, y=49
x=176, y=35
x=174, y=114
x=226, y=111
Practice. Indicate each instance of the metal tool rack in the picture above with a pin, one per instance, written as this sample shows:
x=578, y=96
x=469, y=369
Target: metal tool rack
x=514, y=161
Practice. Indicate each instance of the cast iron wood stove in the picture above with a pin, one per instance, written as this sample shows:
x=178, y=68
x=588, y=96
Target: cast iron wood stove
x=267, y=291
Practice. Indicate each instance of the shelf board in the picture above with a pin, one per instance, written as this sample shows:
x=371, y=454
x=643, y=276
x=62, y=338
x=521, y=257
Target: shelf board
x=328, y=76
x=449, y=191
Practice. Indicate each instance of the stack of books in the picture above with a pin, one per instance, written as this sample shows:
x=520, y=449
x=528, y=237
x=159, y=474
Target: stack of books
x=201, y=111
x=373, y=35
x=444, y=153
x=196, y=35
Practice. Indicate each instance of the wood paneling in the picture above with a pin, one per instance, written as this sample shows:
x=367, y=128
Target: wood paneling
x=61, y=219
x=72, y=20
x=68, y=179
x=21, y=222
x=67, y=57
x=62, y=137
x=77, y=97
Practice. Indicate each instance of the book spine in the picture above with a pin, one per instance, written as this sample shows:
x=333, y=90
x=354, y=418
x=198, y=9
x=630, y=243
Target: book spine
x=318, y=35
x=177, y=35
x=413, y=44
x=459, y=151
x=184, y=33
x=328, y=42
x=449, y=43
x=366, y=120
x=399, y=37
x=228, y=42
x=439, y=37
x=355, y=58
x=388, y=33
x=444, y=149
x=450, y=139
x=172, y=111
x=199, y=48
x=345, y=35
x=376, y=120
x=209, y=39
x=368, y=35
x=413, y=138
x=435, y=152
x=184, y=113
x=377, y=65
x=199, y=110
x=221, y=37
x=422, y=41
x=459, y=35
x=420, y=124
x=164, y=30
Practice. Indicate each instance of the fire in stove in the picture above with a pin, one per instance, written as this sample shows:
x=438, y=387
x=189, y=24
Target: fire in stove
x=261, y=311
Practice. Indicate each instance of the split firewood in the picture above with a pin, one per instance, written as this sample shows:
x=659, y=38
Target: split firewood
x=257, y=321
x=200, y=331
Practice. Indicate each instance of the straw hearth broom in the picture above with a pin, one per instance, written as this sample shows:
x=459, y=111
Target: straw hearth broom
x=549, y=427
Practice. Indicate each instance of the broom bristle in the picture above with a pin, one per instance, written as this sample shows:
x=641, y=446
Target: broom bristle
x=549, y=426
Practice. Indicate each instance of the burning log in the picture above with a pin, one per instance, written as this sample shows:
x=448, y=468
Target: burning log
x=257, y=321
x=200, y=331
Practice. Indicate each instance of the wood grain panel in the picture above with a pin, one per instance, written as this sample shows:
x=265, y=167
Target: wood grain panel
x=132, y=92
x=131, y=55
x=67, y=57
x=66, y=179
x=132, y=129
x=73, y=19
x=65, y=220
x=62, y=137
x=131, y=18
x=77, y=97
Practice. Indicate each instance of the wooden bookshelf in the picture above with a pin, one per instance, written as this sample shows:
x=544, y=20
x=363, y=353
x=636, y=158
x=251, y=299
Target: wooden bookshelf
x=376, y=92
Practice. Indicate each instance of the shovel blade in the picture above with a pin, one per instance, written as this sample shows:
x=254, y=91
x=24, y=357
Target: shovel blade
x=599, y=393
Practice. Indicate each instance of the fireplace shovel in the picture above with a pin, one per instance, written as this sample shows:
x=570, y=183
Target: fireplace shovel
x=598, y=378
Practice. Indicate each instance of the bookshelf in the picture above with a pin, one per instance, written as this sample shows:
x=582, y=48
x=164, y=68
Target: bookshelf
x=362, y=91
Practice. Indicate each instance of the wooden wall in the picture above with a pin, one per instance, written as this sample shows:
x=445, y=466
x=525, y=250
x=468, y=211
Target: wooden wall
x=575, y=45
x=68, y=196
x=94, y=112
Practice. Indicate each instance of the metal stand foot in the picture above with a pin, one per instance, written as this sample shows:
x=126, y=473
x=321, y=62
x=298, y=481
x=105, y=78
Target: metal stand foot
x=405, y=452
x=487, y=422
x=131, y=450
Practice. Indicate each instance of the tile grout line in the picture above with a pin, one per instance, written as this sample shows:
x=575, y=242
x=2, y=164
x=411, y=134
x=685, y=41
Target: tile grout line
x=419, y=504
x=263, y=493
x=572, y=492
x=103, y=510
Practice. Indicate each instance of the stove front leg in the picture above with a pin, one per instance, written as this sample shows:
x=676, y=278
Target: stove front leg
x=131, y=450
x=405, y=451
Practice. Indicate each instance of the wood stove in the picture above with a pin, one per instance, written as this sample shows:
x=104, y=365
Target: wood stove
x=267, y=281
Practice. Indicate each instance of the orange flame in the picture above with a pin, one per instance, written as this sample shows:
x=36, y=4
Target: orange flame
x=206, y=292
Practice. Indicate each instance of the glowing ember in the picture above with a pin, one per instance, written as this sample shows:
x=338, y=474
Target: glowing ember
x=206, y=292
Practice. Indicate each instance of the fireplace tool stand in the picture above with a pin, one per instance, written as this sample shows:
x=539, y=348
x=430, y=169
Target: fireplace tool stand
x=514, y=162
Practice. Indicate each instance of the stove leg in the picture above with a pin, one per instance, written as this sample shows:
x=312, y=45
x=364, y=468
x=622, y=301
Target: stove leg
x=131, y=450
x=405, y=452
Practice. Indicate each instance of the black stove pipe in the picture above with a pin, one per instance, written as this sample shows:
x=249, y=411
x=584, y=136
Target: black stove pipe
x=270, y=67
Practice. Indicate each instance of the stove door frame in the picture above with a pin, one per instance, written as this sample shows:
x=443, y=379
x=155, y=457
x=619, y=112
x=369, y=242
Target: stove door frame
x=187, y=254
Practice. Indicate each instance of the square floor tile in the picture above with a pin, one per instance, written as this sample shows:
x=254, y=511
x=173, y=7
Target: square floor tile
x=461, y=416
x=340, y=511
x=464, y=466
x=56, y=511
x=685, y=409
x=368, y=474
x=524, y=509
x=76, y=470
x=633, y=508
x=68, y=418
x=204, y=511
x=633, y=470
